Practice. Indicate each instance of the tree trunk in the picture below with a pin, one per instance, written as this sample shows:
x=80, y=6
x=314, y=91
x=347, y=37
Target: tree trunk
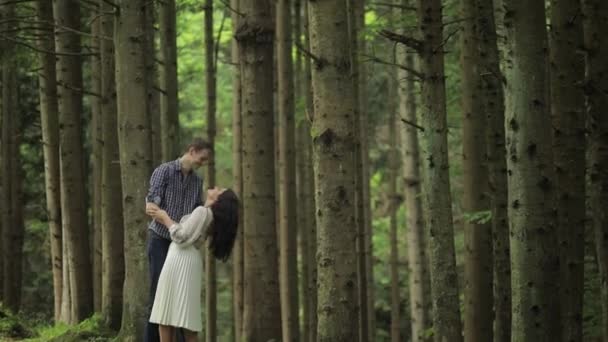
x=135, y=159
x=169, y=113
x=255, y=35
x=301, y=219
x=363, y=173
x=303, y=238
x=334, y=139
x=596, y=46
x=436, y=196
x=534, y=258
x=567, y=106
x=66, y=294
x=50, y=138
x=12, y=235
x=237, y=174
x=478, y=294
x=152, y=81
x=288, y=255
x=308, y=203
x=492, y=97
x=17, y=226
x=418, y=268
x=391, y=193
x=112, y=245
x=360, y=180
x=74, y=216
x=96, y=127
x=210, y=78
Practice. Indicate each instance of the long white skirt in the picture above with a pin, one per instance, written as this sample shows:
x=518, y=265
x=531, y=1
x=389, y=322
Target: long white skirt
x=178, y=296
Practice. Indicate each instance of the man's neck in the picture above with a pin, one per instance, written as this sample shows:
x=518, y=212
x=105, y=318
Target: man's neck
x=184, y=166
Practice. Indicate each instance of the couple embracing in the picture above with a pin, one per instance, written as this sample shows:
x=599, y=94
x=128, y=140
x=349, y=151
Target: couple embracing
x=181, y=224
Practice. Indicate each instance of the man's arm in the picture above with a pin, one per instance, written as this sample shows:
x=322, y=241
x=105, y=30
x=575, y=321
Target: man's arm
x=157, y=184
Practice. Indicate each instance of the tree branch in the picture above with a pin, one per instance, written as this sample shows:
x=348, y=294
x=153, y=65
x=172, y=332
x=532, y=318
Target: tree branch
x=445, y=41
x=405, y=40
x=162, y=91
x=217, y=42
x=19, y=42
x=232, y=9
x=45, y=25
x=14, y=2
x=408, y=8
x=412, y=71
x=456, y=21
x=80, y=90
x=413, y=124
x=309, y=54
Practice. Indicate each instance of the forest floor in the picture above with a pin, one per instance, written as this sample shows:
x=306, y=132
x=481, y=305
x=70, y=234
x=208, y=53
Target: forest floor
x=16, y=328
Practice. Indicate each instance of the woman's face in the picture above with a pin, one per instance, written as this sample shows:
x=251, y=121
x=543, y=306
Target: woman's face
x=214, y=193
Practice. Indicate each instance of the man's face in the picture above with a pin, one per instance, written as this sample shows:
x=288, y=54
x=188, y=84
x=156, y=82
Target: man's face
x=199, y=158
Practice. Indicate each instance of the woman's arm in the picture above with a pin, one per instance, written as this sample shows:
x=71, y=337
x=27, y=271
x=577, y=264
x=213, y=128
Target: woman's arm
x=183, y=231
x=191, y=228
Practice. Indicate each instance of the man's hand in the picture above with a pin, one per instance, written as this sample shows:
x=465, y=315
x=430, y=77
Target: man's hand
x=151, y=208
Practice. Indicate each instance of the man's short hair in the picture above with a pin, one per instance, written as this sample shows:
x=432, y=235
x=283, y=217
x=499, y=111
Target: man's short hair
x=199, y=144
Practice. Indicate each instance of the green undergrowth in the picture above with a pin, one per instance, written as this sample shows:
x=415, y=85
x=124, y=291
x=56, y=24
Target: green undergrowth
x=12, y=327
x=16, y=328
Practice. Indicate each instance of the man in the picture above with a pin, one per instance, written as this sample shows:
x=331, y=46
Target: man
x=175, y=188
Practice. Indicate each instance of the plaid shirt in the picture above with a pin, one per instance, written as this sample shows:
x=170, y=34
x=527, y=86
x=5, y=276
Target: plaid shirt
x=173, y=192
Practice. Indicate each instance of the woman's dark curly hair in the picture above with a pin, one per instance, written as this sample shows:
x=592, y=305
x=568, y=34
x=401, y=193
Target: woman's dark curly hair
x=225, y=224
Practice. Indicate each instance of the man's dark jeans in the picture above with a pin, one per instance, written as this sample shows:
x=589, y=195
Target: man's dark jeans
x=157, y=253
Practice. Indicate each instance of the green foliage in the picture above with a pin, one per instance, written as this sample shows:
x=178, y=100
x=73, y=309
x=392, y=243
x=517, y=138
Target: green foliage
x=12, y=326
x=478, y=217
x=191, y=82
x=91, y=329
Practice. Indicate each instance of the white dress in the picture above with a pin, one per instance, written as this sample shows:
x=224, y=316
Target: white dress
x=178, y=295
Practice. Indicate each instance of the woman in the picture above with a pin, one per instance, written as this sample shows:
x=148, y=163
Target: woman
x=177, y=303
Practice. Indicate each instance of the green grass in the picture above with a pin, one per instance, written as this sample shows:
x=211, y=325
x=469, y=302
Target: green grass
x=91, y=329
x=16, y=328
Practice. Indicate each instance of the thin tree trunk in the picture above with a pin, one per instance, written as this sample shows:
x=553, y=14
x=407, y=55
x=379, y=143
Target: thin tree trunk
x=169, y=119
x=210, y=78
x=360, y=180
x=112, y=245
x=17, y=226
x=418, y=268
x=436, y=196
x=255, y=36
x=287, y=171
x=302, y=222
x=66, y=295
x=359, y=9
x=334, y=138
x=11, y=249
x=534, y=258
x=596, y=46
x=97, y=142
x=567, y=105
x=50, y=142
x=393, y=170
x=478, y=294
x=309, y=190
x=154, y=93
x=69, y=76
x=493, y=105
x=135, y=158
x=237, y=174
